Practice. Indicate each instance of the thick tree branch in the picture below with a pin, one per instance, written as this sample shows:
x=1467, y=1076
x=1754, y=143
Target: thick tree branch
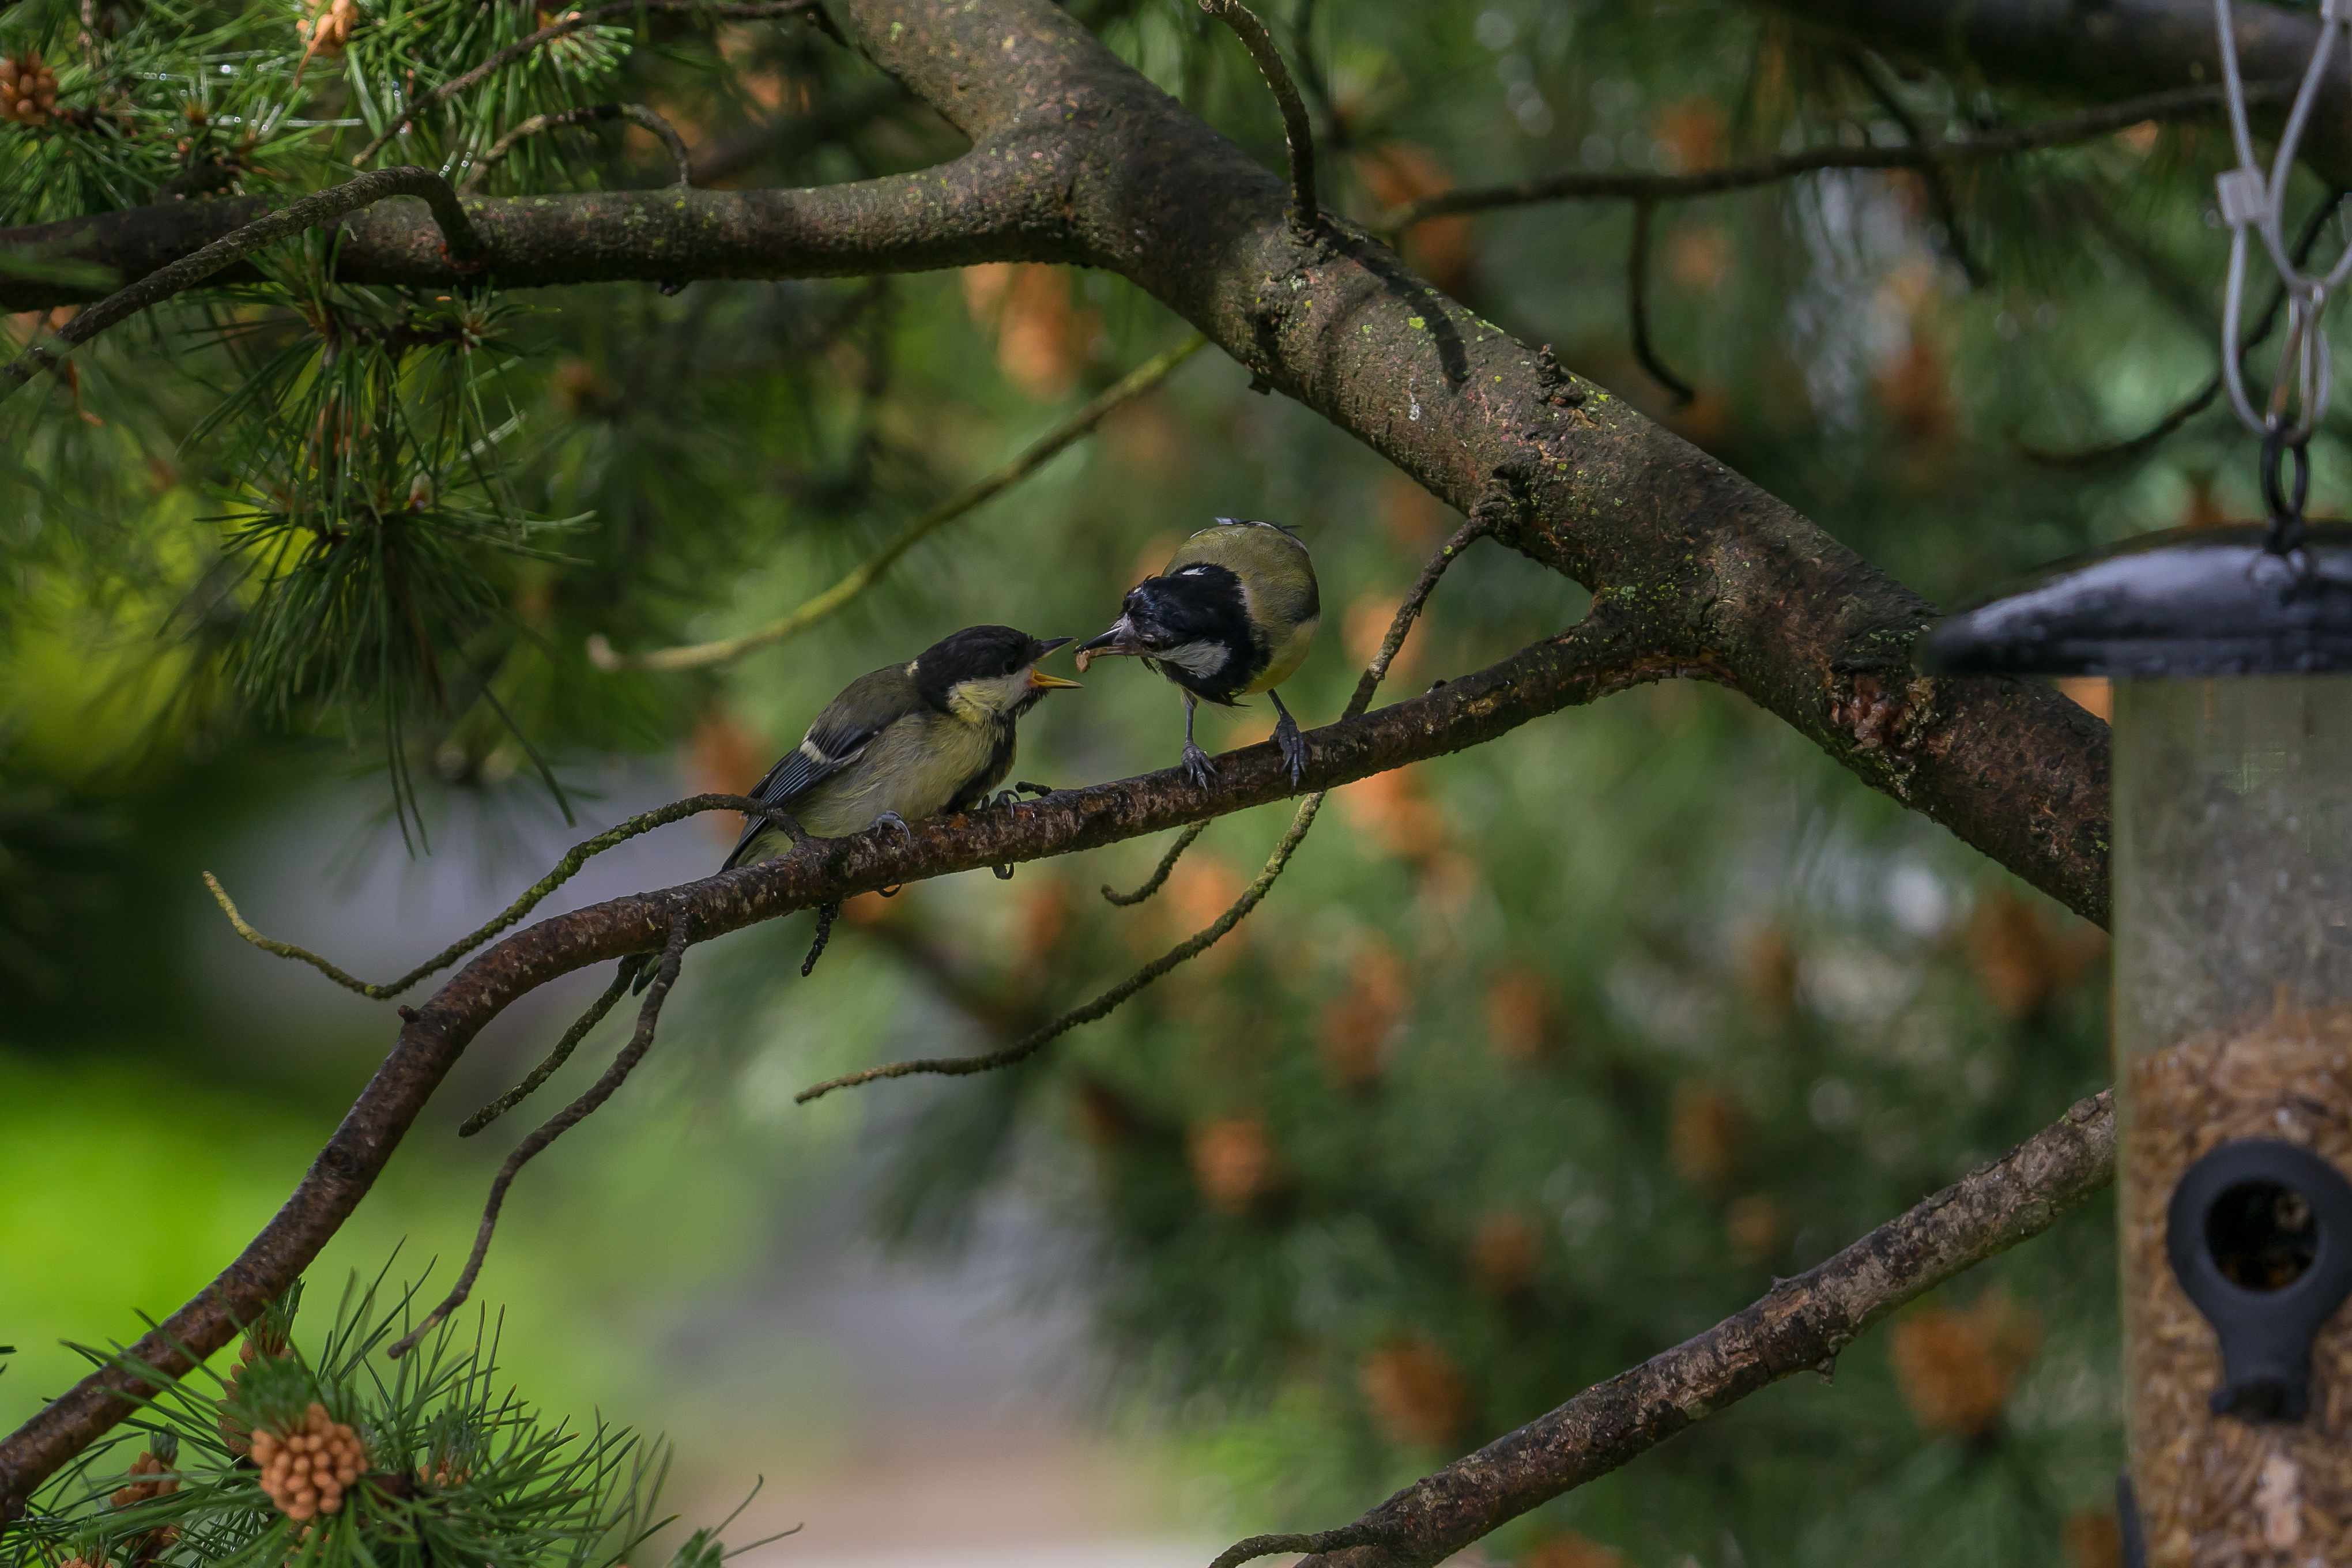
x=459, y=247
x=1596, y=658
x=1702, y=559
x=1802, y=1324
x=990, y=204
x=1078, y=159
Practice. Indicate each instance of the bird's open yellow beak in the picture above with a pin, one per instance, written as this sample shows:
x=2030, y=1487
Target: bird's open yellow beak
x=1044, y=682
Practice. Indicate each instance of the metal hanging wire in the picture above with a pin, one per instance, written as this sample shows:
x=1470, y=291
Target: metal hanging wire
x=2252, y=200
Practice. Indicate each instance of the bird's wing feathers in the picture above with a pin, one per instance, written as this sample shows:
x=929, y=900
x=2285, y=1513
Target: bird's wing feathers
x=866, y=708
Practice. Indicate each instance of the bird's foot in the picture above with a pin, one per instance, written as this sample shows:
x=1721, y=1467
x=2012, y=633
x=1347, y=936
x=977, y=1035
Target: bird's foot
x=1198, y=768
x=1293, y=746
x=1025, y=787
x=1002, y=873
x=892, y=819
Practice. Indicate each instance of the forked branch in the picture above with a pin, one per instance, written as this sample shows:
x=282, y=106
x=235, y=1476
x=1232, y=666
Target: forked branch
x=556, y=1126
x=579, y=854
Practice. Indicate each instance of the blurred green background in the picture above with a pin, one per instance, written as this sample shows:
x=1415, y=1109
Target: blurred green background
x=1539, y=1058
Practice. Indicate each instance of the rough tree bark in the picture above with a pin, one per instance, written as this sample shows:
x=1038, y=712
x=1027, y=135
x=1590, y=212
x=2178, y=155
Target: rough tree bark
x=1078, y=158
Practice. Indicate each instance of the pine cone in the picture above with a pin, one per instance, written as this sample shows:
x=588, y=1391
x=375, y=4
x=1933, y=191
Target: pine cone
x=78, y=1561
x=1416, y=1393
x=326, y=34
x=443, y=1475
x=307, y=1471
x=1503, y=1253
x=136, y=1491
x=1956, y=1368
x=1573, y=1550
x=28, y=89
x=1769, y=971
x=233, y=1432
x=1234, y=1162
x=1756, y=1227
x=2022, y=961
x=1522, y=1017
x=1702, y=1138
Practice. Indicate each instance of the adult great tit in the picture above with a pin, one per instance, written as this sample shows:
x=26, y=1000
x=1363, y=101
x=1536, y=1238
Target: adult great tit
x=903, y=743
x=1233, y=613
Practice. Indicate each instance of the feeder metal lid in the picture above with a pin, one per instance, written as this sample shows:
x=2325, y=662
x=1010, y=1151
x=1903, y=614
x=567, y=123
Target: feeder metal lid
x=2191, y=602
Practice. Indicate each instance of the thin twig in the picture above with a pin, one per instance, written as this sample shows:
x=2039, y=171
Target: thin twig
x=556, y=1126
x=1485, y=519
x=1258, y=1546
x=579, y=854
x=825, y=915
x=699, y=655
x=1801, y=1324
x=1158, y=876
x=1937, y=177
x=1183, y=953
x=1298, y=129
x=571, y=22
x=590, y=114
x=1200, y=940
x=1637, y=305
x=1587, y=185
x=2202, y=399
x=319, y=208
x=623, y=975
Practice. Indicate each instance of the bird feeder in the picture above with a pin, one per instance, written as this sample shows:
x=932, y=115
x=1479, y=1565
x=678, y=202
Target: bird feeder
x=2230, y=654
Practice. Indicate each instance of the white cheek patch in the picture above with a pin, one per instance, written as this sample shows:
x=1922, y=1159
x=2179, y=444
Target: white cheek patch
x=1199, y=659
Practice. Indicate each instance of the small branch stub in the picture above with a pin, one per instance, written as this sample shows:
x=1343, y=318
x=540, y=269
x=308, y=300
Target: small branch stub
x=1298, y=129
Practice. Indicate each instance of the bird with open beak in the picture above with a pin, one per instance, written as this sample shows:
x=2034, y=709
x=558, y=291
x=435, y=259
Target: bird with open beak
x=908, y=741
x=1231, y=614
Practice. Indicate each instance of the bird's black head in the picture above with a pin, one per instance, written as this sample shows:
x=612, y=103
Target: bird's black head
x=1193, y=623
x=986, y=672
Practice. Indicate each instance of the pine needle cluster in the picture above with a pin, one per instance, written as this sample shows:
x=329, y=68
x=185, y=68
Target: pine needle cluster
x=352, y=1457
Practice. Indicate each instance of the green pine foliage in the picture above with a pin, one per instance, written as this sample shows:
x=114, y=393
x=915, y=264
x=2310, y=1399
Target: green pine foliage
x=1541, y=1059
x=458, y=1469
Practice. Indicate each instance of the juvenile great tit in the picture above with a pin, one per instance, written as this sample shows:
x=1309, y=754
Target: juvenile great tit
x=1233, y=613
x=906, y=742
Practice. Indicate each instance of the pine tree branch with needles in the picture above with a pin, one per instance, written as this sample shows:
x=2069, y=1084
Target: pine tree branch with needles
x=1596, y=658
x=591, y=114
x=461, y=245
x=1076, y=159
